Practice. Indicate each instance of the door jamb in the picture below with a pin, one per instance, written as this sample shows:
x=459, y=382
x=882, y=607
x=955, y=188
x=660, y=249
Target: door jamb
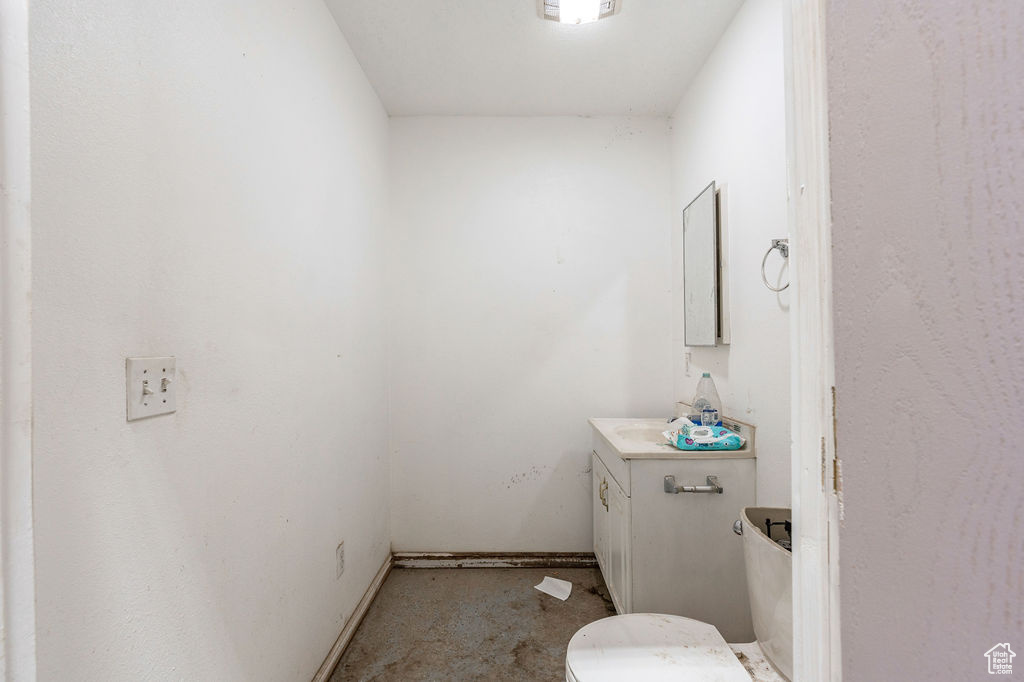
x=17, y=565
x=816, y=477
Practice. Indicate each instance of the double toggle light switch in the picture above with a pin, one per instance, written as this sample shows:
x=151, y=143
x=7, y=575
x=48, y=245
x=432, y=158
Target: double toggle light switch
x=151, y=386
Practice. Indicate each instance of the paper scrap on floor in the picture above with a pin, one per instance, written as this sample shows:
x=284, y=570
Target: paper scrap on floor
x=559, y=589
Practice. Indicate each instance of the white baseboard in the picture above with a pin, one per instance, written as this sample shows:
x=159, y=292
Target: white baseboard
x=494, y=560
x=331, y=662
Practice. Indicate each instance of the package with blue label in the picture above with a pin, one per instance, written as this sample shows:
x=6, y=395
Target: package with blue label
x=686, y=435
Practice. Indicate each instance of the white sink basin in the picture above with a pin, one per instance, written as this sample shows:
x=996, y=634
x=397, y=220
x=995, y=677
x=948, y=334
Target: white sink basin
x=635, y=436
x=642, y=432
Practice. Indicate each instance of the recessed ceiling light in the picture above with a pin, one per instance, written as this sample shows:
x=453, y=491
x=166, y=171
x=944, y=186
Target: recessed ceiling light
x=577, y=11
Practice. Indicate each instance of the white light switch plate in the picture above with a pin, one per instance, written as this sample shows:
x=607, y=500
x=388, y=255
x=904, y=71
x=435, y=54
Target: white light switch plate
x=152, y=387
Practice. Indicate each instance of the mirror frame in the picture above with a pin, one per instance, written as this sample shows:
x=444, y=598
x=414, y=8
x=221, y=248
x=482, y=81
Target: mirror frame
x=701, y=289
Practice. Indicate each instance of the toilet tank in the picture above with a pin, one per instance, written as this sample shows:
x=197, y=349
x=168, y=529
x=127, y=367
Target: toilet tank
x=770, y=583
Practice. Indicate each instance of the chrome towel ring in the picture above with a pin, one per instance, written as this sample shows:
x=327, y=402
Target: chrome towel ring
x=783, y=246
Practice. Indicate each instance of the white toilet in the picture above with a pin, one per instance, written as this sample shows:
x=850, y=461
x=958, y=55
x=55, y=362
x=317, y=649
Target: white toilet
x=648, y=647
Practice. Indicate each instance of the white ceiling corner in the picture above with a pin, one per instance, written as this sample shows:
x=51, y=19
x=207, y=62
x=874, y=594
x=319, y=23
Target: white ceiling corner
x=499, y=58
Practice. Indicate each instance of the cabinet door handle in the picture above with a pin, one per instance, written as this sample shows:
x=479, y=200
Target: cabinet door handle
x=711, y=487
x=602, y=492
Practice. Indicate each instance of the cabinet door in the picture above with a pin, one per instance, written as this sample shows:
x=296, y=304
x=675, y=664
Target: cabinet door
x=687, y=560
x=620, y=559
x=600, y=480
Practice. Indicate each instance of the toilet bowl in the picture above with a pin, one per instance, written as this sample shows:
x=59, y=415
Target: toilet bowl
x=649, y=647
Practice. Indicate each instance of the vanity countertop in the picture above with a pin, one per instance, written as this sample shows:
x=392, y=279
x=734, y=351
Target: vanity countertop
x=643, y=439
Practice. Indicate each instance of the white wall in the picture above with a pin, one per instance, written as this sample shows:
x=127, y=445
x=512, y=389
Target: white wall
x=730, y=127
x=209, y=182
x=926, y=158
x=533, y=290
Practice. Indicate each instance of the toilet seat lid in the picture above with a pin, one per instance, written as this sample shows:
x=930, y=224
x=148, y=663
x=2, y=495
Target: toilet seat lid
x=649, y=647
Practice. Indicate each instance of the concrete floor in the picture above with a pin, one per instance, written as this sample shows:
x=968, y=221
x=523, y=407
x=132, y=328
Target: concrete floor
x=472, y=624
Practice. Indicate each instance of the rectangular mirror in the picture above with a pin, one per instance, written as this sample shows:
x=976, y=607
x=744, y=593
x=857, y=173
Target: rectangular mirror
x=700, y=270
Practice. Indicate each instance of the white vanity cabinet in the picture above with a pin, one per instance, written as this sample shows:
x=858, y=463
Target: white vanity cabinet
x=671, y=553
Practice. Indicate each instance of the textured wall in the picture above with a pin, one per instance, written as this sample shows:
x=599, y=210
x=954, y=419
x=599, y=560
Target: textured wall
x=927, y=153
x=730, y=127
x=532, y=291
x=209, y=182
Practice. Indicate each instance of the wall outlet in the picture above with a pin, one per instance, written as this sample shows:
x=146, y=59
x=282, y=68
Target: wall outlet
x=341, y=559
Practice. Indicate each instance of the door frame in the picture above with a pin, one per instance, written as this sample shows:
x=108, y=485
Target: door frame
x=816, y=472
x=17, y=565
x=816, y=476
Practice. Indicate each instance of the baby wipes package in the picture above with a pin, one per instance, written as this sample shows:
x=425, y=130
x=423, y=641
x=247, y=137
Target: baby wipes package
x=686, y=435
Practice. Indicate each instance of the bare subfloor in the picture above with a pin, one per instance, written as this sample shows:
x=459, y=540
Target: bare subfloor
x=472, y=624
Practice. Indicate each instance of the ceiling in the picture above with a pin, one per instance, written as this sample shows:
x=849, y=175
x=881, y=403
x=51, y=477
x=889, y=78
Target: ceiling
x=499, y=58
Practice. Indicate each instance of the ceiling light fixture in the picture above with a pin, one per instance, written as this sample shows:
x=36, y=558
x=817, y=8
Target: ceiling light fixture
x=577, y=11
